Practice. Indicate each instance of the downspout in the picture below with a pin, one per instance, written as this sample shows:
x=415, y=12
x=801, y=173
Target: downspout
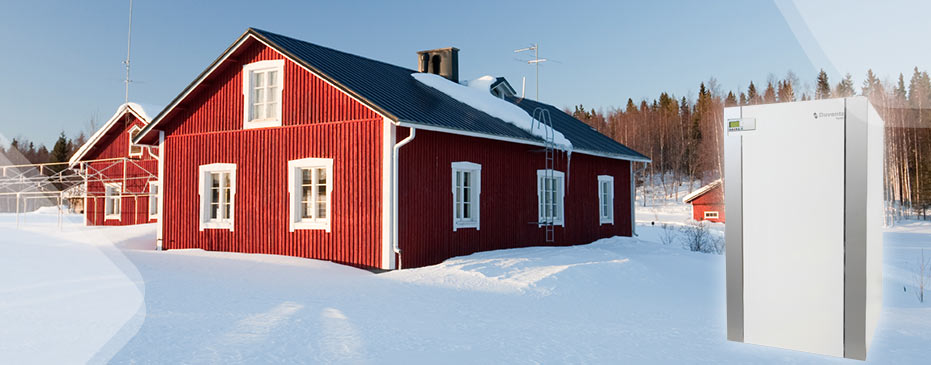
x=394, y=193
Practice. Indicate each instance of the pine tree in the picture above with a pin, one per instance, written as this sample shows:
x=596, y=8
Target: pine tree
x=786, y=94
x=900, y=93
x=60, y=151
x=919, y=90
x=581, y=114
x=752, y=96
x=731, y=100
x=845, y=87
x=823, y=88
x=872, y=87
x=743, y=99
x=769, y=95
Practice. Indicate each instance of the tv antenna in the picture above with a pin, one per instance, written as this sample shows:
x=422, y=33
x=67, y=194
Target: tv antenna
x=535, y=61
x=129, y=39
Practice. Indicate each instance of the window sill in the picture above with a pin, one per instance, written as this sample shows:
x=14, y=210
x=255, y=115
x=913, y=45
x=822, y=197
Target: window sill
x=152, y=217
x=463, y=225
x=611, y=222
x=112, y=217
x=261, y=124
x=310, y=226
x=216, y=225
x=555, y=223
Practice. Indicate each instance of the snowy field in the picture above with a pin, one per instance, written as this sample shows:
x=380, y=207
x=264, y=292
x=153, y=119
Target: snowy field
x=102, y=294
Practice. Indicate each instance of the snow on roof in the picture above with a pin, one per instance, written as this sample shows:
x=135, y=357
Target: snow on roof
x=477, y=95
x=133, y=108
x=701, y=191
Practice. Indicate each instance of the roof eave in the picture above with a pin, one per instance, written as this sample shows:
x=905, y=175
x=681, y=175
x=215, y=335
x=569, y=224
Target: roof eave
x=534, y=142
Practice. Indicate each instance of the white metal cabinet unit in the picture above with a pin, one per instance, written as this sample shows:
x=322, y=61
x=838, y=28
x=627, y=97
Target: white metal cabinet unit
x=803, y=196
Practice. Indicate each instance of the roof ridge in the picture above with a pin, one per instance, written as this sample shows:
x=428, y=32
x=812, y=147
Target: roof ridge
x=267, y=33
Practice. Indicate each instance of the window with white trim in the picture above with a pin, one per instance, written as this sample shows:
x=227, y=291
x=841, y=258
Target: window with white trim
x=134, y=149
x=467, y=190
x=261, y=87
x=310, y=189
x=711, y=214
x=111, y=200
x=153, y=199
x=550, y=197
x=217, y=195
x=605, y=199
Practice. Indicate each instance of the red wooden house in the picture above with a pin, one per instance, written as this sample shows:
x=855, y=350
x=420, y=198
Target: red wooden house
x=121, y=177
x=707, y=202
x=285, y=147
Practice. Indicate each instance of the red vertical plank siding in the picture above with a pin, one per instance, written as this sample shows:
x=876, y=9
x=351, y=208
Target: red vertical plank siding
x=217, y=103
x=261, y=201
x=318, y=120
x=710, y=201
x=508, y=197
x=115, y=144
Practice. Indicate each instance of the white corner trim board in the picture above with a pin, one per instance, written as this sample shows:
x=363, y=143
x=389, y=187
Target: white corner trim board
x=303, y=211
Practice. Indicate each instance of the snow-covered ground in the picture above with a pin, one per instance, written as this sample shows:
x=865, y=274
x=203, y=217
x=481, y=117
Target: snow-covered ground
x=100, y=294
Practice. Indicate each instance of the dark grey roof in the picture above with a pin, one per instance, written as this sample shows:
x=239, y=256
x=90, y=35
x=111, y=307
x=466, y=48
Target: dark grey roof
x=582, y=136
x=392, y=91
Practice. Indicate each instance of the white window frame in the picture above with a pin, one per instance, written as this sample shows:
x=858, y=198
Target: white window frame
x=247, y=71
x=605, y=199
x=715, y=213
x=204, y=173
x=560, y=201
x=295, y=192
x=153, y=199
x=132, y=145
x=475, y=171
x=108, y=201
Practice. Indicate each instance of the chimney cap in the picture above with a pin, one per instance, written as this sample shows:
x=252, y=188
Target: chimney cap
x=454, y=49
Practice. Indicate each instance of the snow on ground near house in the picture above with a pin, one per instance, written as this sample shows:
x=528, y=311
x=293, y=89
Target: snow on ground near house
x=483, y=100
x=618, y=300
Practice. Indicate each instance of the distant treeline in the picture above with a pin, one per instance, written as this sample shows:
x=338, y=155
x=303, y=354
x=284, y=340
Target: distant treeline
x=22, y=151
x=684, y=137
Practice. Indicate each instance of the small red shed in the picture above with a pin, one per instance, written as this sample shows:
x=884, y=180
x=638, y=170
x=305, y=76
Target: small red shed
x=286, y=147
x=707, y=202
x=121, y=178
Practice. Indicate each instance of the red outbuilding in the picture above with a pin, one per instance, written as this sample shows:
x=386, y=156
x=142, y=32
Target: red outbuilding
x=707, y=202
x=285, y=147
x=121, y=178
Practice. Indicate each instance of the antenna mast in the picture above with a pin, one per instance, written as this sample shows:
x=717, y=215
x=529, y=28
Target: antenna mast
x=129, y=40
x=535, y=61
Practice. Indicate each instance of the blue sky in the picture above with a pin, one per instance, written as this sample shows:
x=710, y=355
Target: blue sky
x=63, y=58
